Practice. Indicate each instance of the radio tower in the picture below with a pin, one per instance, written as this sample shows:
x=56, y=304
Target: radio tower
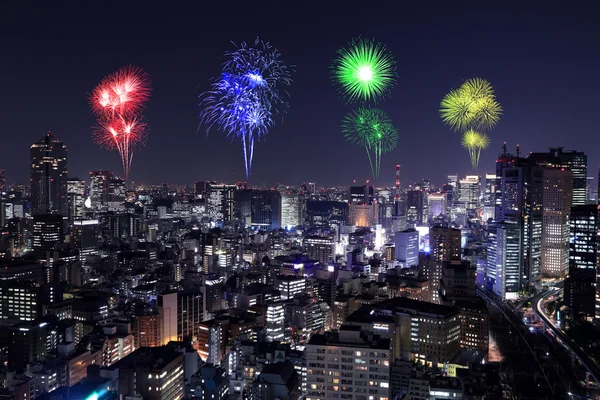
x=397, y=200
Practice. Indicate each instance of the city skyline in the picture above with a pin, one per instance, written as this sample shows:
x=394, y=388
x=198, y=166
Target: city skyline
x=527, y=66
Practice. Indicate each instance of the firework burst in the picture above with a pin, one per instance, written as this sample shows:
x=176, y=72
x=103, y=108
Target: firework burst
x=364, y=71
x=473, y=110
x=243, y=101
x=373, y=129
x=117, y=102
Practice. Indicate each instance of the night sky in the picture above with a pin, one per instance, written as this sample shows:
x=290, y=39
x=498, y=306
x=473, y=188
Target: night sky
x=543, y=58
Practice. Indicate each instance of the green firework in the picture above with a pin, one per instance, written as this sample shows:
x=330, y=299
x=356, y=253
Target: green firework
x=474, y=142
x=373, y=129
x=365, y=71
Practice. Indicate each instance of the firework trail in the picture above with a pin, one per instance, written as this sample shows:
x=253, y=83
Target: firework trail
x=364, y=71
x=473, y=110
x=372, y=129
x=249, y=94
x=117, y=102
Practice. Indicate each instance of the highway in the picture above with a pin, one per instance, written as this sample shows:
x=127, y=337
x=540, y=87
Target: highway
x=537, y=306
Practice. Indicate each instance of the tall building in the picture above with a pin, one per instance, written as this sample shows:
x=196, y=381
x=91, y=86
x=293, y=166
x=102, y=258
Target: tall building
x=437, y=205
x=180, y=314
x=504, y=259
x=518, y=200
x=48, y=160
x=275, y=322
x=259, y=208
x=576, y=161
x=146, y=330
x=75, y=198
x=84, y=234
x=580, y=283
x=360, y=194
x=364, y=215
x=414, y=207
x=47, y=233
x=558, y=192
x=100, y=188
x=291, y=210
x=2, y=181
x=407, y=247
x=210, y=338
x=348, y=361
x=319, y=248
x=220, y=202
x=444, y=244
x=469, y=191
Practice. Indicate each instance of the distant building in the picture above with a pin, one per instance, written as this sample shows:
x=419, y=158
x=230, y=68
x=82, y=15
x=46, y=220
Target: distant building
x=319, y=248
x=47, y=233
x=48, y=160
x=407, y=247
x=277, y=381
x=291, y=210
x=220, y=202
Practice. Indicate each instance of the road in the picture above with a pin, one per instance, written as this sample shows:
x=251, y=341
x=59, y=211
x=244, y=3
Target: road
x=537, y=306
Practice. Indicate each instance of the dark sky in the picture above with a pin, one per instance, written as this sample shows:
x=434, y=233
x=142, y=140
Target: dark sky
x=543, y=59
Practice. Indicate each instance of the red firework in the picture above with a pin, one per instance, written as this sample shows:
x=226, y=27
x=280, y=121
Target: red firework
x=117, y=102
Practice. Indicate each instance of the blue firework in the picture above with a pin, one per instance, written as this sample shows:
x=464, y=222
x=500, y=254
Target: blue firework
x=244, y=100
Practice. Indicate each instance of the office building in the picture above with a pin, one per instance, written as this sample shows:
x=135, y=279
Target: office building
x=84, y=235
x=100, y=188
x=47, y=233
x=290, y=286
x=319, y=248
x=180, y=314
x=75, y=199
x=220, y=202
x=558, y=192
x=210, y=341
x=349, y=362
x=153, y=373
x=469, y=191
x=291, y=210
x=146, y=330
x=275, y=322
x=444, y=245
x=210, y=382
x=27, y=344
x=48, y=160
x=436, y=205
x=422, y=332
x=407, y=247
x=580, y=283
x=415, y=200
x=504, y=259
x=260, y=209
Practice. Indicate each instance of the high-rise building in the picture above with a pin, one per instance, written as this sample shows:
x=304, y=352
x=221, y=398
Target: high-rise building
x=319, y=248
x=444, y=244
x=75, y=198
x=180, y=314
x=518, y=200
x=146, y=330
x=437, y=205
x=558, y=192
x=100, y=188
x=469, y=191
x=210, y=338
x=580, y=283
x=348, y=361
x=259, y=208
x=414, y=207
x=48, y=160
x=2, y=181
x=47, y=233
x=364, y=215
x=360, y=194
x=575, y=161
x=84, y=233
x=275, y=322
x=504, y=259
x=220, y=202
x=407, y=247
x=291, y=210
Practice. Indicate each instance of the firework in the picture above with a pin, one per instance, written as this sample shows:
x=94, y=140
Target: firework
x=474, y=142
x=364, y=71
x=373, y=129
x=244, y=100
x=473, y=105
x=117, y=103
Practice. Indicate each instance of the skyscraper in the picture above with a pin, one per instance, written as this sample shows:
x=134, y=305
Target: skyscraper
x=558, y=196
x=580, y=284
x=48, y=160
x=470, y=191
x=220, y=202
x=47, y=232
x=407, y=247
x=2, y=181
x=259, y=208
x=445, y=245
x=75, y=198
x=414, y=207
x=99, y=188
x=291, y=209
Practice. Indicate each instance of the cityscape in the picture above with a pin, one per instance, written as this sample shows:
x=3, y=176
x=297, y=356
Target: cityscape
x=401, y=266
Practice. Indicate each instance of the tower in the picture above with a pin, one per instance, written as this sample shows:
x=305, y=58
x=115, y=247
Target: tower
x=48, y=160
